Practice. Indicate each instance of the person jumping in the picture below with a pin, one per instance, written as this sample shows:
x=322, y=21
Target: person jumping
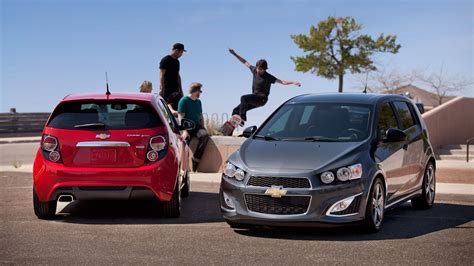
x=262, y=81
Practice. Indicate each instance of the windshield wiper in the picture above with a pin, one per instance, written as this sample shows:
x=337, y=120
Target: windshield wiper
x=264, y=137
x=321, y=139
x=91, y=125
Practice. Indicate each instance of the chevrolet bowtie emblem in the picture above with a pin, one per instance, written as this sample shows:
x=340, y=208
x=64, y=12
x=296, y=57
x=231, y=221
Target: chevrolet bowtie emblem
x=102, y=136
x=276, y=191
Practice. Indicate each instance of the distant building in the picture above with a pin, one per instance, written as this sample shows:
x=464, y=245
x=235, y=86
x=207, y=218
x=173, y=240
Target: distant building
x=428, y=99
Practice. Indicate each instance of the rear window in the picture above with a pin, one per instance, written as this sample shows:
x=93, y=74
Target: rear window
x=104, y=115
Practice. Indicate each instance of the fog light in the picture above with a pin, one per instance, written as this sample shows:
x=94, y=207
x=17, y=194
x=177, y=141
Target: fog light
x=152, y=156
x=327, y=177
x=341, y=205
x=228, y=201
x=54, y=156
x=344, y=174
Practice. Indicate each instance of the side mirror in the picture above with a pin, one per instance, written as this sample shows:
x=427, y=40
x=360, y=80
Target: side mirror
x=394, y=135
x=248, y=132
x=187, y=124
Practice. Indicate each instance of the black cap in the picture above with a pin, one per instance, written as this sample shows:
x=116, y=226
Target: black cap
x=178, y=46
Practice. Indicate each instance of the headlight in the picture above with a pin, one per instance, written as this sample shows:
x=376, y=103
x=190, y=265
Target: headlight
x=239, y=174
x=327, y=177
x=344, y=174
x=229, y=169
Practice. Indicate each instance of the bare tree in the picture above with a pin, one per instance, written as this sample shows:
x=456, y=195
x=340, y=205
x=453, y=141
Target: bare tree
x=443, y=84
x=384, y=80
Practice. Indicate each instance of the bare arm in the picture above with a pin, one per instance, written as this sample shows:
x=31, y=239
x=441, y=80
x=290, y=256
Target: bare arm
x=240, y=58
x=288, y=82
x=202, y=120
x=162, y=82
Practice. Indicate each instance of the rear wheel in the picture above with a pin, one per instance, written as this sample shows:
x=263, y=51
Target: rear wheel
x=187, y=185
x=375, y=207
x=172, y=208
x=426, y=199
x=43, y=210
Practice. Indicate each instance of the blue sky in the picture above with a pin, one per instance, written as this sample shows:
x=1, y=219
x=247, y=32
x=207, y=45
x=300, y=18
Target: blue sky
x=54, y=48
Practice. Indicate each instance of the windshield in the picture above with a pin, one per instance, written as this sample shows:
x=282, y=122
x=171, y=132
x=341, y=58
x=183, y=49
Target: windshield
x=104, y=115
x=337, y=122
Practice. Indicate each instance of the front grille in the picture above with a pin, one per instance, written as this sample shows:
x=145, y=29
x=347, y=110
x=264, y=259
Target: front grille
x=286, y=205
x=352, y=209
x=286, y=182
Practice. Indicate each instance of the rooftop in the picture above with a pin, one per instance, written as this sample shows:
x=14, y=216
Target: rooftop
x=113, y=96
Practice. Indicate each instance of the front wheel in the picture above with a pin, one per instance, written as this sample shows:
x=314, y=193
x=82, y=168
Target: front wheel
x=187, y=186
x=43, y=210
x=426, y=199
x=375, y=207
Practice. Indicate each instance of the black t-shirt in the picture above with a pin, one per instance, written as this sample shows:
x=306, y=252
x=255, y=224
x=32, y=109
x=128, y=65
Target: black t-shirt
x=261, y=84
x=171, y=65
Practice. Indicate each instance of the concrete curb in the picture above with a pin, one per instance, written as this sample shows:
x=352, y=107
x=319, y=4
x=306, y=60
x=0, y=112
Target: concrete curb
x=20, y=140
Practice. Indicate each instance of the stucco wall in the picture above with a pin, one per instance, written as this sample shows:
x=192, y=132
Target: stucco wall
x=452, y=122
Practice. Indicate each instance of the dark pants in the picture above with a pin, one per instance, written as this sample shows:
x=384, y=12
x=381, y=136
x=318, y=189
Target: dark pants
x=203, y=138
x=249, y=102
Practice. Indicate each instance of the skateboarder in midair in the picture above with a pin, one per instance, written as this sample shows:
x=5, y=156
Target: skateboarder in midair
x=262, y=81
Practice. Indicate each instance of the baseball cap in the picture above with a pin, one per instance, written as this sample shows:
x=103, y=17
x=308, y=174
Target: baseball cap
x=178, y=46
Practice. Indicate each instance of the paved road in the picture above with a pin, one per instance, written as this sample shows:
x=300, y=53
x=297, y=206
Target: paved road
x=22, y=152
x=121, y=232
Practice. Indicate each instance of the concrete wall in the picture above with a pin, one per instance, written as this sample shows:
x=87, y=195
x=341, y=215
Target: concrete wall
x=451, y=122
x=217, y=151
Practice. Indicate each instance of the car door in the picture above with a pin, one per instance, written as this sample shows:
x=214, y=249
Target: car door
x=412, y=166
x=389, y=155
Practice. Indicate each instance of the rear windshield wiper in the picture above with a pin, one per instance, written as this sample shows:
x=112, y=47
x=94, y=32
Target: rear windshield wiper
x=264, y=137
x=90, y=125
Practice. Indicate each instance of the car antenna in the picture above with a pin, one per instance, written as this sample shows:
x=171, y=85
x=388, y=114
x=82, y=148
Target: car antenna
x=366, y=78
x=107, y=84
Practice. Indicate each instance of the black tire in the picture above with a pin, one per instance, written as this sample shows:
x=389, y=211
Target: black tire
x=172, y=208
x=187, y=186
x=375, y=209
x=43, y=210
x=427, y=197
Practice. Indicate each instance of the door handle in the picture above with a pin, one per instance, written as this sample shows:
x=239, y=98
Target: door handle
x=405, y=146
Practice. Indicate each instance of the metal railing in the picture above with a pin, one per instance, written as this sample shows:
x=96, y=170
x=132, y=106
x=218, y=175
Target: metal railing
x=468, y=142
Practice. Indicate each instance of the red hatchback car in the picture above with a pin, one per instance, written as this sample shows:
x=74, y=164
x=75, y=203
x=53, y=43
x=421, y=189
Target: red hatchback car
x=117, y=146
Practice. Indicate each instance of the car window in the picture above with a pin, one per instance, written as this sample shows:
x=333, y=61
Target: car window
x=404, y=114
x=387, y=119
x=167, y=113
x=104, y=114
x=319, y=122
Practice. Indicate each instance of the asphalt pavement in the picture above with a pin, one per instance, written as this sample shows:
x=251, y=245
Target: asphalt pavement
x=124, y=232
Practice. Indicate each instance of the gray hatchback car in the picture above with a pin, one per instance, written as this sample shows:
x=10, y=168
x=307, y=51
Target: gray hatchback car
x=330, y=159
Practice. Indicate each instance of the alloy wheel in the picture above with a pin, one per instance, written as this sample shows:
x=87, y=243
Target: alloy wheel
x=430, y=184
x=378, y=204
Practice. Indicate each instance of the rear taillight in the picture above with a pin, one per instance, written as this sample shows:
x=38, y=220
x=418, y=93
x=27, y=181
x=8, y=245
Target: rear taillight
x=50, y=148
x=156, y=148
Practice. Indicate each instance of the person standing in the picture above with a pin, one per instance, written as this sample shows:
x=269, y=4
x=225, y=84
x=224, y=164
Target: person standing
x=170, y=79
x=190, y=107
x=262, y=82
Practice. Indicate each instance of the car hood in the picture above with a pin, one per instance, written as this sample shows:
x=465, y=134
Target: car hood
x=281, y=156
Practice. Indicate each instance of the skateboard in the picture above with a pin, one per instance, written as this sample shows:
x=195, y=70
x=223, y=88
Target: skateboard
x=228, y=128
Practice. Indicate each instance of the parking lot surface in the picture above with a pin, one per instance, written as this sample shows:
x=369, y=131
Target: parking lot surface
x=132, y=232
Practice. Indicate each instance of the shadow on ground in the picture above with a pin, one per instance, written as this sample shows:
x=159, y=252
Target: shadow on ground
x=199, y=207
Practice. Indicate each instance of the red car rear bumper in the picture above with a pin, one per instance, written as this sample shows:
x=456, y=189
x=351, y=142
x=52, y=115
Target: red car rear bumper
x=159, y=177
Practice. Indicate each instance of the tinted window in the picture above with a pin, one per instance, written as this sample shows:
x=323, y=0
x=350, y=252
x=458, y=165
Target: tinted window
x=386, y=119
x=104, y=115
x=319, y=121
x=405, y=115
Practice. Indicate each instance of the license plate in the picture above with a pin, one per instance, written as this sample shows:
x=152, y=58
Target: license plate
x=103, y=156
